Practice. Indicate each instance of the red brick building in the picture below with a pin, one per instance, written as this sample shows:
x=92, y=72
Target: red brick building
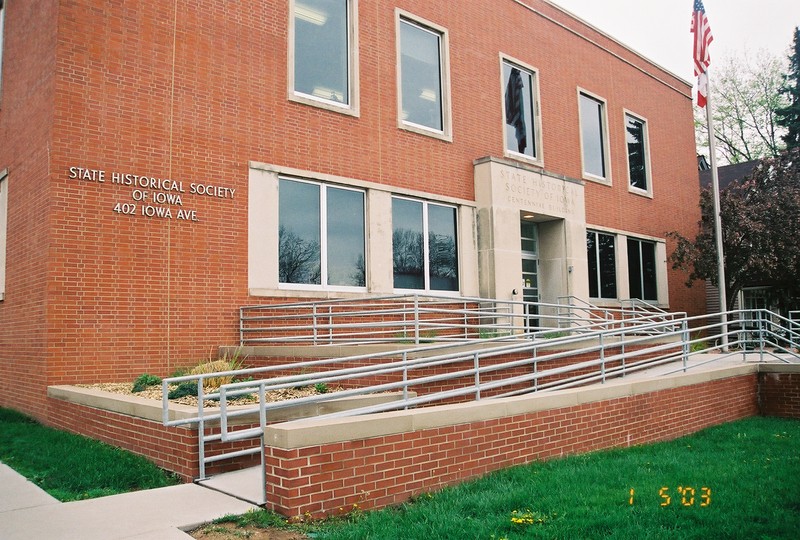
x=163, y=163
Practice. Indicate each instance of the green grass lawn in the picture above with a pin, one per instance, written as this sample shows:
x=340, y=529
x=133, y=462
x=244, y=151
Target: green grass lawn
x=740, y=480
x=70, y=467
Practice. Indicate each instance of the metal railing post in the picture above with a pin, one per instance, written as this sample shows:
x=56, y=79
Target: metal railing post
x=477, y=365
x=331, y=338
x=760, y=336
x=241, y=327
x=602, y=360
x=622, y=344
x=263, y=472
x=314, y=324
x=466, y=320
x=201, y=429
x=685, y=345
x=416, y=319
x=405, y=378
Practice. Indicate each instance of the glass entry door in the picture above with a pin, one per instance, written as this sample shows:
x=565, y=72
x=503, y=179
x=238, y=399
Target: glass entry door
x=529, y=234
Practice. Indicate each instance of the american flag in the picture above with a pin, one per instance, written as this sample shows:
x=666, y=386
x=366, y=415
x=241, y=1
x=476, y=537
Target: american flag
x=702, y=39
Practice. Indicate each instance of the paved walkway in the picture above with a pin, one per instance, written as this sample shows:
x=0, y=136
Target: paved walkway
x=27, y=512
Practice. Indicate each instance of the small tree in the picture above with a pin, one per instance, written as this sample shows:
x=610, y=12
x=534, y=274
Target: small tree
x=760, y=217
x=789, y=116
x=745, y=95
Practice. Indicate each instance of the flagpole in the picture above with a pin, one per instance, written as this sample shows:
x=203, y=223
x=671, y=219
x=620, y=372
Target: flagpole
x=712, y=150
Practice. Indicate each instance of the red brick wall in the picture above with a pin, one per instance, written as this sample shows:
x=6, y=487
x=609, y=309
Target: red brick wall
x=193, y=91
x=382, y=471
x=26, y=107
x=779, y=394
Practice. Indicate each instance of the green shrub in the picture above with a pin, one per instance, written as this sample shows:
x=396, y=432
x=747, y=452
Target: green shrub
x=145, y=380
x=321, y=388
x=188, y=388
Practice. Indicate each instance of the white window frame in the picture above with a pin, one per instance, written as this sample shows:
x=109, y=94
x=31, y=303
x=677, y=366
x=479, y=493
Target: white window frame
x=641, y=266
x=3, y=230
x=605, y=138
x=446, y=133
x=622, y=264
x=647, y=172
x=323, y=242
x=599, y=231
x=352, y=107
x=538, y=159
x=426, y=249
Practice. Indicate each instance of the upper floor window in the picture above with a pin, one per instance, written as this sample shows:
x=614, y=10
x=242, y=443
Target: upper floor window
x=642, y=269
x=521, y=110
x=423, y=89
x=594, y=137
x=602, y=259
x=321, y=235
x=322, y=66
x=424, y=245
x=3, y=230
x=638, y=157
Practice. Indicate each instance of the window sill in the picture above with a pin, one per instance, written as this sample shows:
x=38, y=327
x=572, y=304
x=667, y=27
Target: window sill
x=306, y=293
x=597, y=179
x=516, y=156
x=311, y=101
x=640, y=192
x=428, y=132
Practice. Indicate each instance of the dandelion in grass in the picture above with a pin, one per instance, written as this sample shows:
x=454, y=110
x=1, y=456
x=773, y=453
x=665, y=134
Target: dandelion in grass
x=527, y=517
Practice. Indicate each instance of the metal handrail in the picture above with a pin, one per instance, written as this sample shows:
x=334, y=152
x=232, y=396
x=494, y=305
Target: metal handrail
x=605, y=341
x=638, y=305
x=409, y=318
x=640, y=343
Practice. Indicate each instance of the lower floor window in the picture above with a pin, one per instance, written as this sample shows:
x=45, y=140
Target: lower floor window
x=602, y=259
x=424, y=245
x=642, y=269
x=321, y=235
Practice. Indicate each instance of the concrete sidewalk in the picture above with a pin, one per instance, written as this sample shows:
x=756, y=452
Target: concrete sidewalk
x=27, y=512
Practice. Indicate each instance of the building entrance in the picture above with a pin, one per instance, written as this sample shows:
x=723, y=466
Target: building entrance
x=529, y=238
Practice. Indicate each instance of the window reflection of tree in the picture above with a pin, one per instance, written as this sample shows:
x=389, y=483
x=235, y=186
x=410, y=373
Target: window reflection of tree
x=298, y=259
x=407, y=252
x=608, y=271
x=442, y=250
x=359, y=273
x=409, y=263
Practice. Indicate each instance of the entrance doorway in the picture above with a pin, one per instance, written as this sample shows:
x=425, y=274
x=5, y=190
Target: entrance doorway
x=529, y=238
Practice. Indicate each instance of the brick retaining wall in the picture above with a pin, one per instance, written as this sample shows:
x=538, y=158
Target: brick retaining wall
x=779, y=392
x=382, y=470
